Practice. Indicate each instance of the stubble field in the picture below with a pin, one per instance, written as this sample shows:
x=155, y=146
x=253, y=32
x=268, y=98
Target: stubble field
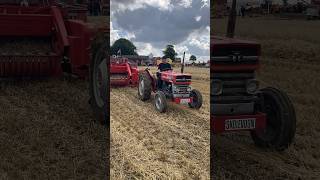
x=290, y=61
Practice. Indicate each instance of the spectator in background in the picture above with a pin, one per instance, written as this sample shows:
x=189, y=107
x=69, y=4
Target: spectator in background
x=243, y=10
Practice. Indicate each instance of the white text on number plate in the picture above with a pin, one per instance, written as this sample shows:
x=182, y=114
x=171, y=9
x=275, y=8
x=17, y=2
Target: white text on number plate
x=233, y=124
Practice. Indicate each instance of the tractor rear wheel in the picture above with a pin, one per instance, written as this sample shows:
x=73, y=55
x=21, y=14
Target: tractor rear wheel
x=281, y=120
x=98, y=84
x=196, y=99
x=160, y=102
x=144, y=87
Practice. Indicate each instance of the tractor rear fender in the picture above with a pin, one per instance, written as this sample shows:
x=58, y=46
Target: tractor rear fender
x=152, y=78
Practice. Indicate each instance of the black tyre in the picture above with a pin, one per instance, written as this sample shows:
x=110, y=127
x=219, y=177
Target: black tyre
x=197, y=99
x=144, y=86
x=160, y=102
x=98, y=84
x=281, y=120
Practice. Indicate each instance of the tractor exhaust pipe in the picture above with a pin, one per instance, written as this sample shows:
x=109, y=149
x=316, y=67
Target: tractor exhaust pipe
x=232, y=19
x=182, y=65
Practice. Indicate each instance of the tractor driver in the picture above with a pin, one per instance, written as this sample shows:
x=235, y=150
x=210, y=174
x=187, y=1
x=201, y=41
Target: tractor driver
x=163, y=66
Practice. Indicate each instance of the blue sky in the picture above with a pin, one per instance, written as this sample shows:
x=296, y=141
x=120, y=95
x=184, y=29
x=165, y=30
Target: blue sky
x=152, y=24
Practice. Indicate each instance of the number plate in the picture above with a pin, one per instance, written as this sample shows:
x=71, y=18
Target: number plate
x=184, y=101
x=236, y=124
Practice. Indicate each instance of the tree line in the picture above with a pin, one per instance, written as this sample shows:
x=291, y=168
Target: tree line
x=124, y=46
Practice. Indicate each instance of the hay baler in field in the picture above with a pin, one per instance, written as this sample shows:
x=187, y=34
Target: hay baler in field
x=123, y=72
x=44, y=39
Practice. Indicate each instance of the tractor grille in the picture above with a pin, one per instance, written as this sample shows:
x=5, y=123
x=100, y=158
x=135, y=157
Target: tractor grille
x=180, y=91
x=234, y=99
x=234, y=87
x=183, y=78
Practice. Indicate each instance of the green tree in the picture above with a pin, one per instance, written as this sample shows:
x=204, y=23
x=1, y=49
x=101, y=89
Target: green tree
x=169, y=52
x=125, y=46
x=193, y=59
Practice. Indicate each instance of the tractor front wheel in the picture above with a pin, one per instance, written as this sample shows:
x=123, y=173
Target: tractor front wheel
x=281, y=120
x=98, y=84
x=144, y=86
x=160, y=102
x=196, y=99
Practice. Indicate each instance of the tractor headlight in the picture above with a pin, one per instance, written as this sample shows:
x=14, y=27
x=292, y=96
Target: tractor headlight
x=216, y=87
x=252, y=86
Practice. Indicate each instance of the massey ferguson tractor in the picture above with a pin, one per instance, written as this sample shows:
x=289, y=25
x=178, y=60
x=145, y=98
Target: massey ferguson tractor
x=237, y=103
x=47, y=39
x=173, y=86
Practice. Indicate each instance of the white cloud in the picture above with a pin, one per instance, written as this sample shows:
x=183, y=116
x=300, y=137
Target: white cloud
x=137, y=4
x=141, y=25
x=197, y=18
x=146, y=49
x=117, y=34
x=113, y=34
x=181, y=48
x=200, y=39
x=206, y=3
x=185, y=3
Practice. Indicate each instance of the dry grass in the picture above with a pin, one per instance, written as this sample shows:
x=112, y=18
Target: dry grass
x=47, y=131
x=290, y=61
x=148, y=145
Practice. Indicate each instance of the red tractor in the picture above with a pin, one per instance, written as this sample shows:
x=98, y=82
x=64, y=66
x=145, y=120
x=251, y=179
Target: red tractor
x=173, y=86
x=237, y=103
x=50, y=39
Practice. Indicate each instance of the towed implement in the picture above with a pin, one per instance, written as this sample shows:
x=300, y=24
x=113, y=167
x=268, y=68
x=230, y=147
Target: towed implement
x=48, y=39
x=123, y=72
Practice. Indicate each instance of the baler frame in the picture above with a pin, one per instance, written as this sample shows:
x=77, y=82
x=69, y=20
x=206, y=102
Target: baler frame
x=78, y=48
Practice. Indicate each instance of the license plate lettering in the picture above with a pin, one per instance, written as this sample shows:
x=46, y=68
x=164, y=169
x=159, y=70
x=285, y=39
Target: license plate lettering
x=235, y=124
x=184, y=101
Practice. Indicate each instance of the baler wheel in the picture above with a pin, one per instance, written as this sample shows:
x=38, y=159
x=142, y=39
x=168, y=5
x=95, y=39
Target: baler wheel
x=160, y=102
x=144, y=87
x=197, y=99
x=281, y=121
x=98, y=84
